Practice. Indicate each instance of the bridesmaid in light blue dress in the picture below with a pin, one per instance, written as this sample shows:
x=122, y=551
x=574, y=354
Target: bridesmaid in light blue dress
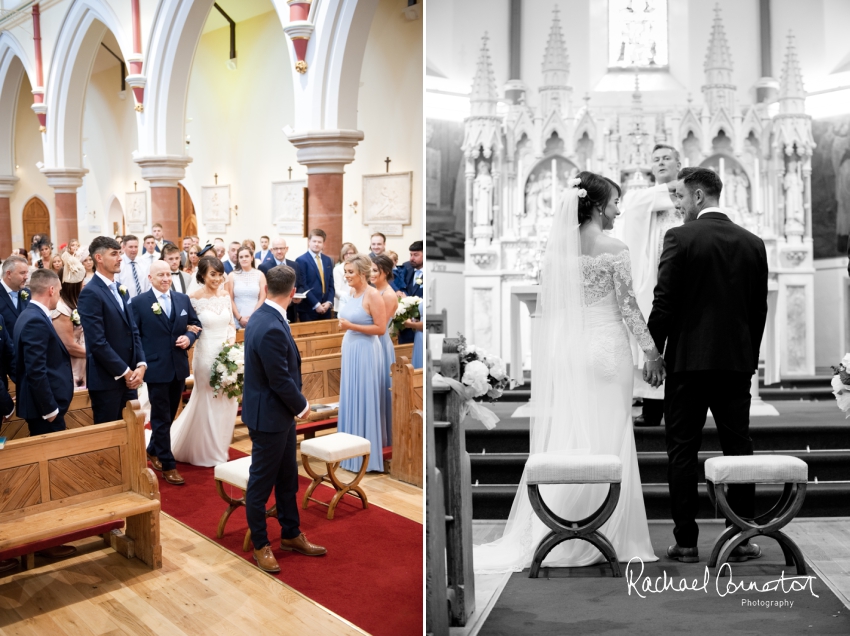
x=418, y=338
x=246, y=286
x=382, y=274
x=362, y=383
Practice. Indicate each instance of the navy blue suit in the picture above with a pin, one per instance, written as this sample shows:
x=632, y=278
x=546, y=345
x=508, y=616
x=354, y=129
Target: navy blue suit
x=227, y=267
x=168, y=365
x=271, y=400
x=269, y=262
x=112, y=345
x=8, y=311
x=45, y=381
x=307, y=275
x=7, y=368
x=405, y=281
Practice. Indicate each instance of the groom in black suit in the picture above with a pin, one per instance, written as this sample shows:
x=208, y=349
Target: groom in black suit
x=163, y=317
x=271, y=400
x=115, y=360
x=710, y=309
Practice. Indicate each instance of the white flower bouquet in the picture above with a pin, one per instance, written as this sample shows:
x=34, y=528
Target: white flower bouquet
x=228, y=371
x=484, y=373
x=841, y=385
x=408, y=309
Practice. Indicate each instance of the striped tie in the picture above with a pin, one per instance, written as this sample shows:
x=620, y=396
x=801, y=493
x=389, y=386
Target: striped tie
x=321, y=271
x=136, y=278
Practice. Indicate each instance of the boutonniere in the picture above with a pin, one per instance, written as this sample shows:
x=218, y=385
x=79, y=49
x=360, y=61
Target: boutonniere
x=156, y=309
x=75, y=318
x=122, y=289
x=24, y=295
x=418, y=281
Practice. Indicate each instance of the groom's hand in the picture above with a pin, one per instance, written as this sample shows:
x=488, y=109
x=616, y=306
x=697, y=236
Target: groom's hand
x=182, y=342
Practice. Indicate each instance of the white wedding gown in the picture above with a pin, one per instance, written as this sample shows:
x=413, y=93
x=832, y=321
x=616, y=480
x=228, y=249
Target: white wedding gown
x=202, y=434
x=608, y=306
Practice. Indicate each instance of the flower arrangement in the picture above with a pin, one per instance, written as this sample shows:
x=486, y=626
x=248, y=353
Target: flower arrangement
x=228, y=371
x=482, y=372
x=841, y=385
x=75, y=318
x=408, y=309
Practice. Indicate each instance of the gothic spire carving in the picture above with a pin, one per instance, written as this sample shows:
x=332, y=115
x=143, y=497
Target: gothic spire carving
x=792, y=95
x=719, y=91
x=484, y=97
x=555, y=93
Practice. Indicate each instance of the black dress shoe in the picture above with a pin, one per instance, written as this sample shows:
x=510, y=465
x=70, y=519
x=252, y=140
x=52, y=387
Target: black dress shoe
x=640, y=420
x=685, y=555
x=745, y=553
x=7, y=565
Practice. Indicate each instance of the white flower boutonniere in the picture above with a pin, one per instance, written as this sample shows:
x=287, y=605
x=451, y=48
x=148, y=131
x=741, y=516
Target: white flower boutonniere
x=418, y=281
x=24, y=294
x=156, y=309
x=122, y=289
x=75, y=318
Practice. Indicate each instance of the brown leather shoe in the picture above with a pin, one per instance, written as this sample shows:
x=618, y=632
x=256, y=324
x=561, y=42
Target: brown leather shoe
x=265, y=559
x=157, y=465
x=301, y=545
x=173, y=477
x=7, y=565
x=58, y=551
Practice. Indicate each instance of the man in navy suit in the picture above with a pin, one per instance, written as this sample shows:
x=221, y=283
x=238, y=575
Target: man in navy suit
x=277, y=256
x=15, y=297
x=263, y=252
x=271, y=401
x=156, y=231
x=7, y=370
x=115, y=360
x=163, y=317
x=315, y=276
x=230, y=261
x=45, y=382
x=409, y=282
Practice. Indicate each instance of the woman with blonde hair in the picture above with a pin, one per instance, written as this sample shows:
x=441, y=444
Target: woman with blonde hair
x=363, y=386
x=341, y=294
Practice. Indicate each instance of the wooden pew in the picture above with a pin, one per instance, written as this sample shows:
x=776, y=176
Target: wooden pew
x=61, y=483
x=451, y=469
x=407, y=422
x=314, y=328
x=79, y=414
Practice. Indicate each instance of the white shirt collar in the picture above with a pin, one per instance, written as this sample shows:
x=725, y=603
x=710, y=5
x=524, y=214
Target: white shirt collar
x=8, y=289
x=710, y=210
x=42, y=307
x=105, y=280
x=279, y=309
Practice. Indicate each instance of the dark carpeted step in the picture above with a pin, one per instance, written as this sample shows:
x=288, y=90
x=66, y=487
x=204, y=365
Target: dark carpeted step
x=822, y=500
x=506, y=468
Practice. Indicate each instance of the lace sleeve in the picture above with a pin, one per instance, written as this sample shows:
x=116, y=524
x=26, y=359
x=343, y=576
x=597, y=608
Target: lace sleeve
x=626, y=300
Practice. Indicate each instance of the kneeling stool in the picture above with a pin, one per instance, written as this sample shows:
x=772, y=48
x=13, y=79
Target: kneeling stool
x=757, y=469
x=236, y=474
x=333, y=449
x=556, y=468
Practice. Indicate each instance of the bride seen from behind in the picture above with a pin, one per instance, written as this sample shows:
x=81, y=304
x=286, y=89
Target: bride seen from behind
x=202, y=434
x=581, y=392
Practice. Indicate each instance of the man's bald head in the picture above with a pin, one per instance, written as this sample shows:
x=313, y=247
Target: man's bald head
x=279, y=249
x=160, y=275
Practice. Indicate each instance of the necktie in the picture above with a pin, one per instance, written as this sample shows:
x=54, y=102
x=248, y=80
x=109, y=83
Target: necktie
x=321, y=271
x=114, y=288
x=136, y=278
x=14, y=296
x=166, y=304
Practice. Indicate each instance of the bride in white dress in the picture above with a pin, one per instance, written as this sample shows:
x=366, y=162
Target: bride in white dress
x=582, y=385
x=202, y=434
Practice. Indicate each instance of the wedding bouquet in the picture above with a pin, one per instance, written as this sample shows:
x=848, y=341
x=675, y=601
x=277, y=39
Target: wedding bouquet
x=408, y=309
x=484, y=373
x=841, y=385
x=228, y=371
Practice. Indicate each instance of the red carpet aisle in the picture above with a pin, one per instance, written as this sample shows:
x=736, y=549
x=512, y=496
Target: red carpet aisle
x=372, y=574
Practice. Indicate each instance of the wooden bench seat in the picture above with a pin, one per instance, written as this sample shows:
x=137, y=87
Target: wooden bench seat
x=407, y=422
x=79, y=414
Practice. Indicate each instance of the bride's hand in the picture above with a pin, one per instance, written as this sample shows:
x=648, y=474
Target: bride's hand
x=194, y=329
x=653, y=372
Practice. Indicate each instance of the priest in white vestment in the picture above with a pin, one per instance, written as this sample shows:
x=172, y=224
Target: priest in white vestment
x=647, y=215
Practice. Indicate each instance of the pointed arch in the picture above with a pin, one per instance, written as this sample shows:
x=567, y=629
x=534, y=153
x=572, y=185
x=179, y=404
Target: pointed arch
x=14, y=64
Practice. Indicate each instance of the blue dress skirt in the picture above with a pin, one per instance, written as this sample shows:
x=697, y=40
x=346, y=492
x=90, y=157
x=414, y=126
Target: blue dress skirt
x=419, y=342
x=389, y=360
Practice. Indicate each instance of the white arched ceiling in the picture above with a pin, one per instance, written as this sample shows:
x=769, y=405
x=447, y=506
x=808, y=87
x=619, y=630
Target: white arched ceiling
x=13, y=65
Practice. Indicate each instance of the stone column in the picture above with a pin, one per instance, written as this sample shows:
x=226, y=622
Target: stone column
x=65, y=182
x=325, y=153
x=163, y=173
x=7, y=186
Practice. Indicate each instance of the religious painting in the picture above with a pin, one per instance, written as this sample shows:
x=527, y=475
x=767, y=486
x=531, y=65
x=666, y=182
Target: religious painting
x=831, y=186
x=136, y=206
x=387, y=200
x=288, y=204
x=637, y=34
x=215, y=205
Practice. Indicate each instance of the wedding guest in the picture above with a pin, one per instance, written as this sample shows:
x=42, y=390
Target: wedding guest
x=377, y=243
x=271, y=402
x=88, y=263
x=230, y=262
x=250, y=245
x=15, y=297
x=56, y=265
x=410, y=283
x=277, y=256
x=115, y=360
x=45, y=250
x=314, y=272
x=34, y=246
x=132, y=272
x=196, y=240
x=362, y=382
x=150, y=253
x=418, y=327
x=341, y=291
x=192, y=258
x=66, y=319
x=180, y=281
x=264, y=250
x=246, y=286
x=26, y=255
x=219, y=250
x=184, y=254
x=156, y=230
x=382, y=275
x=73, y=246
x=164, y=317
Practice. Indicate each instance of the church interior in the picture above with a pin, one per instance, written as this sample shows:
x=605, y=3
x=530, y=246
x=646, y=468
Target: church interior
x=229, y=120
x=520, y=96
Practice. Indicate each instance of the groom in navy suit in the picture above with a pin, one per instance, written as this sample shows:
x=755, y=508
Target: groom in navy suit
x=45, y=382
x=115, y=360
x=271, y=400
x=163, y=317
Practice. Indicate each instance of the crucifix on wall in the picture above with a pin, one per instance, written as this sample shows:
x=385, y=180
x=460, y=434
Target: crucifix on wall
x=387, y=161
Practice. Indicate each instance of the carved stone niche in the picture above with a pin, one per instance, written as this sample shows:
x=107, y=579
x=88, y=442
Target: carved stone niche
x=484, y=260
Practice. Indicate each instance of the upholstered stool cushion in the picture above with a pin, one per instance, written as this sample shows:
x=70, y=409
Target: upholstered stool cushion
x=235, y=473
x=558, y=468
x=756, y=469
x=336, y=447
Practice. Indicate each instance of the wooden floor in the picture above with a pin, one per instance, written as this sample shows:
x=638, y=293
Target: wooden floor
x=201, y=589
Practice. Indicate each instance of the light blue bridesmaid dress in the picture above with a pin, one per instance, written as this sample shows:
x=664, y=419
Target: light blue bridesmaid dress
x=362, y=386
x=389, y=359
x=419, y=341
